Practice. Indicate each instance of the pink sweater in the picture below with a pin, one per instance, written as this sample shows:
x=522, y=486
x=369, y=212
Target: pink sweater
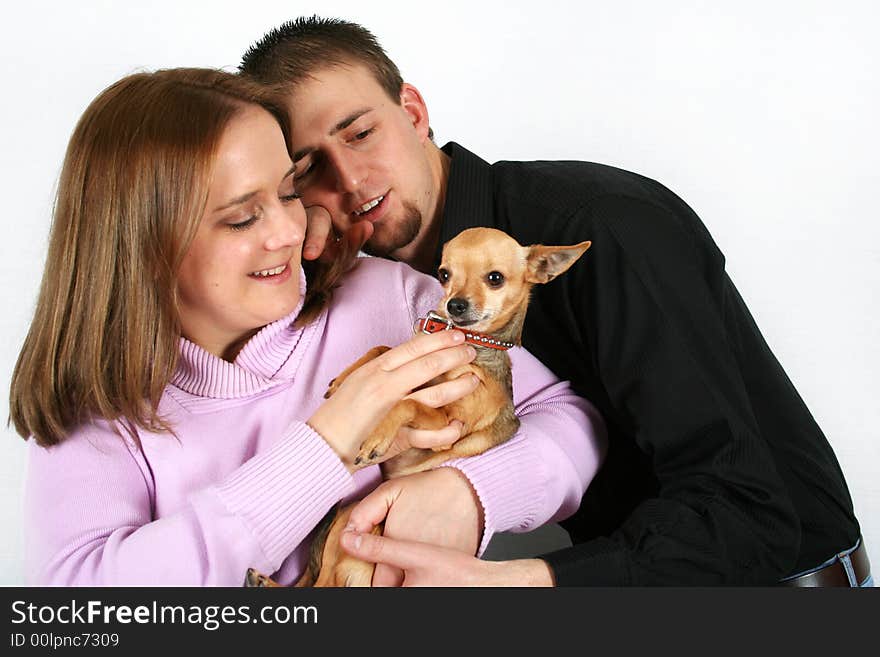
x=246, y=480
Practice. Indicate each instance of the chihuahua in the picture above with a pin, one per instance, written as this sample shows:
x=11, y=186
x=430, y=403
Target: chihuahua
x=487, y=278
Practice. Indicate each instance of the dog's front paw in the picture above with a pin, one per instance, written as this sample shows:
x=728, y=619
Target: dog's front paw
x=366, y=358
x=253, y=579
x=373, y=448
x=333, y=387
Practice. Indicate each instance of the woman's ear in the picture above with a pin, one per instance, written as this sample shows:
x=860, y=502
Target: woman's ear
x=414, y=105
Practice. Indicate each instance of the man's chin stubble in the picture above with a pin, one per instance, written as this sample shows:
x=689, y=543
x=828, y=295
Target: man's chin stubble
x=385, y=242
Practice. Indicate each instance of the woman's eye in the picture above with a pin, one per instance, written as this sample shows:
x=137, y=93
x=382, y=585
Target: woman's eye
x=287, y=198
x=443, y=276
x=495, y=278
x=363, y=134
x=242, y=225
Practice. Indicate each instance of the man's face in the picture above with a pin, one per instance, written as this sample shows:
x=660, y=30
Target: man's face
x=362, y=156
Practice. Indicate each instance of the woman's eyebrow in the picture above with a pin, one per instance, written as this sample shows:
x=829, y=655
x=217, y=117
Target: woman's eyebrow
x=238, y=200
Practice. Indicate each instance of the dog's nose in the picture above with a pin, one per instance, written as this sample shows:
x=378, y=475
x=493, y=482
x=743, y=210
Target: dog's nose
x=457, y=307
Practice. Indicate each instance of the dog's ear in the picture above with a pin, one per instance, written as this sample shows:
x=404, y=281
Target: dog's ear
x=544, y=263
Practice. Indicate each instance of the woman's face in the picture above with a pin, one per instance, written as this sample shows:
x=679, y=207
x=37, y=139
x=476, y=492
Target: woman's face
x=242, y=270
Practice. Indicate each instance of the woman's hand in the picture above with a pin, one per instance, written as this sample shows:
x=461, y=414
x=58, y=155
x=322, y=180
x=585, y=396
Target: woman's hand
x=368, y=393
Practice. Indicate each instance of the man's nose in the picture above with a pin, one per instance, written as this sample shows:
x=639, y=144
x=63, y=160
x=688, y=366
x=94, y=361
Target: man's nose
x=457, y=307
x=350, y=172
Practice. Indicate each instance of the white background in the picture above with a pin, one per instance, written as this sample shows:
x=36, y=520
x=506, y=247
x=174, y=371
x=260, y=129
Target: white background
x=762, y=115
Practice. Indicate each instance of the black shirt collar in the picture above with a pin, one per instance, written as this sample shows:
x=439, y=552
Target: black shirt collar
x=469, y=195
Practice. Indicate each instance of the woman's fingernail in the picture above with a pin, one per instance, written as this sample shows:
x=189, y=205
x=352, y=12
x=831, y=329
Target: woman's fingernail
x=457, y=336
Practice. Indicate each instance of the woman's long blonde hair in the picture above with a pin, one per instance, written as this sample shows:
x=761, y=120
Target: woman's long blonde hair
x=105, y=335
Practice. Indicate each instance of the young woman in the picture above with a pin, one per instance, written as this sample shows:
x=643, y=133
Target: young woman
x=173, y=376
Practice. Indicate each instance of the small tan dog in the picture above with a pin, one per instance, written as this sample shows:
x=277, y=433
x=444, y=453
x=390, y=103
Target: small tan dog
x=487, y=278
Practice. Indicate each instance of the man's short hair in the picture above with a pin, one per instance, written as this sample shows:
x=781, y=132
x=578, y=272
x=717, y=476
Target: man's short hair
x=294, y=51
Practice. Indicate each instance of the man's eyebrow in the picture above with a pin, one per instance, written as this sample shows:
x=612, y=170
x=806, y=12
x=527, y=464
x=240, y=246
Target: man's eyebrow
x=348, y=120
x=342, y=125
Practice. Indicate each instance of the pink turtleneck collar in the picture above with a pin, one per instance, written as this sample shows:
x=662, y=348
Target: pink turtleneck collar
x=257, y=367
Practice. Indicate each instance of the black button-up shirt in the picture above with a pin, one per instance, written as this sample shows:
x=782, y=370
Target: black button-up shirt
x=716, y=471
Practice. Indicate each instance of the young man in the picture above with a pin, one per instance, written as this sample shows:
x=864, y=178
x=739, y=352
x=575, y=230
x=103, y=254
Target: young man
x=716, y=471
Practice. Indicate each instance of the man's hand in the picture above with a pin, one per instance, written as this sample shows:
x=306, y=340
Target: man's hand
x=321, y=241
x=438, y=507
x=429, y=565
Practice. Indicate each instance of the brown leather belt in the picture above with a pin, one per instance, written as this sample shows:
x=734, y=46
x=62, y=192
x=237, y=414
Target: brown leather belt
x=835, y=574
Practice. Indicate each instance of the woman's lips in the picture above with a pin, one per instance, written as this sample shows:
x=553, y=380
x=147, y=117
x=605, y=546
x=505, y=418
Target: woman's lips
x=268, y=275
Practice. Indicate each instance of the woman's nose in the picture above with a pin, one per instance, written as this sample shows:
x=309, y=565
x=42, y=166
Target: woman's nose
x=287, y=227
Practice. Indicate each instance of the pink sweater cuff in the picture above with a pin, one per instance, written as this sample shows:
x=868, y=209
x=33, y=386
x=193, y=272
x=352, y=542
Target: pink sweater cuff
x=282, y=494
x=506, y=484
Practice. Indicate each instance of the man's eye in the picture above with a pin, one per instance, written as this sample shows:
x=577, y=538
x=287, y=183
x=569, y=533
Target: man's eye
x=299, y=175
x=443, y=276
x=495, y=279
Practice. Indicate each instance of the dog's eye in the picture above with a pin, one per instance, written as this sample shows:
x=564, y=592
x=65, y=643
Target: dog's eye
x=495, y=278
x=443, y=276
